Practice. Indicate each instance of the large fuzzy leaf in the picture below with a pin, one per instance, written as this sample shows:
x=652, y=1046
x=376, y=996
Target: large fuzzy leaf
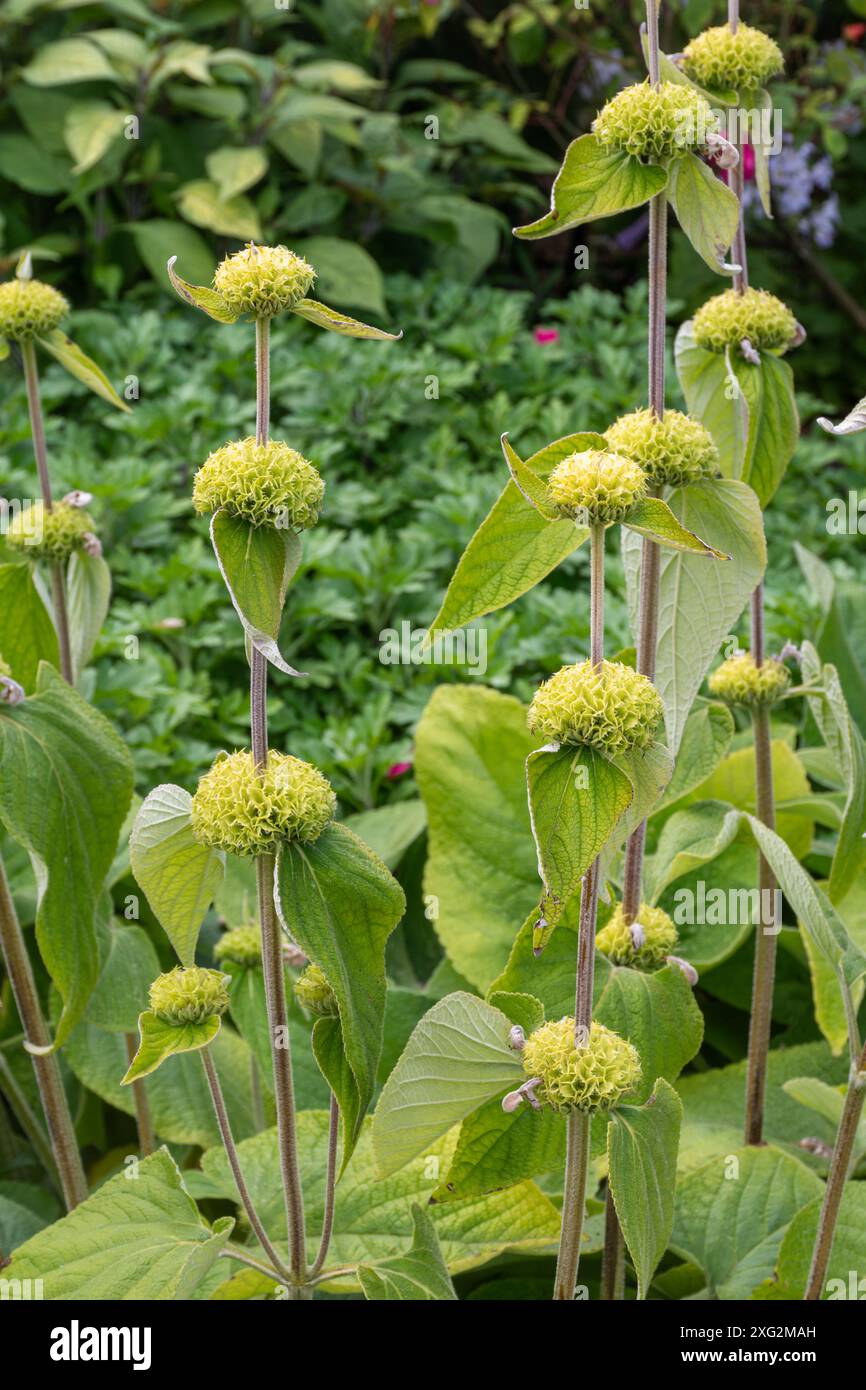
x=420, y=1275
x=642, y=1144
x=707, y=209
x=592, y=183
x=179, y=876
x=27, y=634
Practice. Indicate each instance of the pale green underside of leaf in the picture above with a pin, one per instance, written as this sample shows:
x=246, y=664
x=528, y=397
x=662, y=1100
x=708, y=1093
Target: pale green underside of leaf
x=707, y=209
x=27, y=634
x=178, y=875
x=642, y=1147
x=257, y=564
x=65, y=786
x=700, y=602
x=457, y=1058
x=159, y=1040
x=576, y=798
x=88, y=585
x=594, y=183
x=654, y=519
x=82, y=367
x=132, y=1240
x=337, y=322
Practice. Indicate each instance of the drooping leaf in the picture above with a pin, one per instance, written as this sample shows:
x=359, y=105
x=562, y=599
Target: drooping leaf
x=340, y=904
x=774, y=425
x=159, y=1040
x=139, y=1240
x=592, y=183
x=420, y=1275
x=179, y=876
x=707, y=209
x=481, y=874
x=845, y=741
x=853, y=423
x=514, y=547
x=336, y=322
x=82, y=367
x=654, y=519
x=576, y=798
x=330, y=1054
x=732, y=1213
x=699, y=603
x=713, y=396
x=690, y=839
x=835, y=1000
x=65, y=787
x=257, y=564
x=642, y=1144
x=200, y=296
x=457, y=1058
x=88, y=585
x=27, y=635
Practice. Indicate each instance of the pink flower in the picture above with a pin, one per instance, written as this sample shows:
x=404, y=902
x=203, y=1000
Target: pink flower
x=854, y=32
x=747, y=154
x=398, y=770
x=546, y=335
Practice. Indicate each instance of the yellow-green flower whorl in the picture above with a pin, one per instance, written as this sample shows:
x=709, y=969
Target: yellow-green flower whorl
x=655, y=123
x=594, y=1077
x=241, y=945
x=263, y=483
x=189, y=994
x=30, y=309
x=314, y=994
x=596, y=486
x=740, y=681
x=237, y=809
x=50, y=535
x=726, y=319
x=726, y=61
x=609, y=707
x=263, y=280
x=672, y=450
x=655, y=932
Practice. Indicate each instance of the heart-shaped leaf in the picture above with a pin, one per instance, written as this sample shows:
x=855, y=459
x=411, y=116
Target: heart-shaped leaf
x=642, y=1143
x=178, y=875
x=159, y=1040
x=592, y=183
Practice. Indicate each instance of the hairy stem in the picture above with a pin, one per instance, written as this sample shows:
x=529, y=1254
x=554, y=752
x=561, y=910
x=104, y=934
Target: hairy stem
x=840, y=1168
x=37, y=430
x=225, y=1129
x=272, y=953
x=765, y=939
x=143, y=1121
x=45, y=1064
x=330, y=1189
x=573, y=1200
x=29, y=1122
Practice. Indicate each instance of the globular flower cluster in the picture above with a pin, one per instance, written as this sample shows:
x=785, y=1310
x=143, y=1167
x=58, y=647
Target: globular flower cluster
x=596, y=487
x=263, y=483
x=656, y=123
x=50, y=535
x=314, y=994
x=609, y=707
x=189, y=994
x=726, y=61
x=672, y=449
x=594, y=1077
x=241, y=945
x=30, y=309
x=726, y=319
x=239, y=809
x=740, y=681
x=653, y=929
x=263, y=280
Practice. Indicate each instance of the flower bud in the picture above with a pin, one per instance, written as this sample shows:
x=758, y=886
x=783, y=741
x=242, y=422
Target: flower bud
x=517, y=1038
x=686, y=967
x=263, y=280
x=29, y=309
x=739, y=681
x=50, y=535
x=646, y=949
x=759, y=317
x=189, y=994
x=248, y=811
x=726, y=61
x=11, y=693
x=595, y=487
x=608, y=707
x=314, y=994
x=655, y=123
x=263, y=483
x=241, y=945
x=594, y=1077
x=672, y=450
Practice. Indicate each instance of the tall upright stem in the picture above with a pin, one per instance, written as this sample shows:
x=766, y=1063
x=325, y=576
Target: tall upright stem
x=45, y=1064
x=330, y=1188
x=840, y=1168
x=143, y=1121
x=578, y=1125
x=613, y=1263
x=37, y=430
x=230, y=1147
x=272, y=954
